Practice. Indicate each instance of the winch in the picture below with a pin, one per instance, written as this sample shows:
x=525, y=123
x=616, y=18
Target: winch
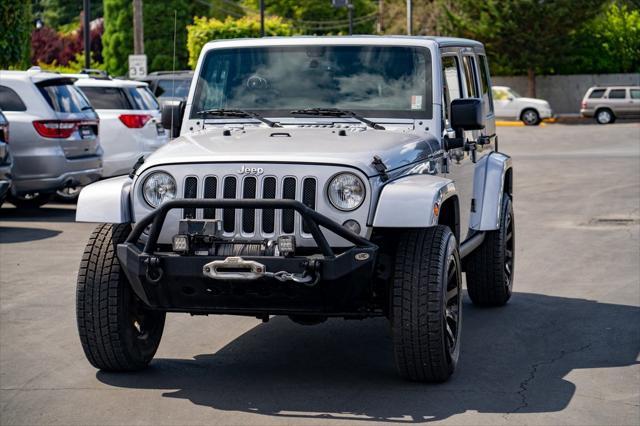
x=205, y=238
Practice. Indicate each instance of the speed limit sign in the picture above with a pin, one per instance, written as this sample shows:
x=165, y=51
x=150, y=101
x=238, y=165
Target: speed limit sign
x=137, y=66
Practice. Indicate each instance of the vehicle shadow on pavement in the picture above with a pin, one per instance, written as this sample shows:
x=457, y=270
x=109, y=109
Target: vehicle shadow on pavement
x=49, y=213
x=514, y=359
x=10, y=235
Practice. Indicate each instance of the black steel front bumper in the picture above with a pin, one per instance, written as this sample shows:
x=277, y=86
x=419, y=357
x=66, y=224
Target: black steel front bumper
x=171, y=282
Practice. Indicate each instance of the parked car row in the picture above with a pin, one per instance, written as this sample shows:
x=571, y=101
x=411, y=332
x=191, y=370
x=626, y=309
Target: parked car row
x=604, y=103
x=70, y=130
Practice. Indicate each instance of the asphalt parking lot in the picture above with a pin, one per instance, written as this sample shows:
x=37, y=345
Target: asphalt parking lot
x=563, y=351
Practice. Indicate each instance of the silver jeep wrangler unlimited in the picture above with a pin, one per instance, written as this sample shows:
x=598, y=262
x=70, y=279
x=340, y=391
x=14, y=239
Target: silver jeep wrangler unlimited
x=349, y=177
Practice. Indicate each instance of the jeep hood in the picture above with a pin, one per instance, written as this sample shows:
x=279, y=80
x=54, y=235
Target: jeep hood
x=350, y=147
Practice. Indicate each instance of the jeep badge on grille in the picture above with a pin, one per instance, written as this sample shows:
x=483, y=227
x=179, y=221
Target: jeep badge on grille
x=251, y=170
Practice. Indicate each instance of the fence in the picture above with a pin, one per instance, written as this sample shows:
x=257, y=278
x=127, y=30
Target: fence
x=565, y=92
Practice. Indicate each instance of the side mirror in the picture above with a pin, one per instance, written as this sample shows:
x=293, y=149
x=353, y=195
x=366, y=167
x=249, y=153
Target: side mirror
x=466, y=114
x=172, y=113
x=510, y=98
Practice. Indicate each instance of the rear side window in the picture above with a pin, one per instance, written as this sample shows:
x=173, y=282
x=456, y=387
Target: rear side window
x=597, y=94
x=617, y=94
x=10, y=101
x=487, y=97
x=140, y=99
x=106, y=97
x=64, y=97
x=635, y=93
x=148, y=98
x=470, y=75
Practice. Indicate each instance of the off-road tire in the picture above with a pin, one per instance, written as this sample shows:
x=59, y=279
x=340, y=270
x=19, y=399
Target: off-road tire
x=116, y=331
x=31, y=202
x=426, y=264
x=530, y=117
x=490, y=267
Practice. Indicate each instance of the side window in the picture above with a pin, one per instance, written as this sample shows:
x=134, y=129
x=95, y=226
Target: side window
x=635, y=93
x=617, y=94
x=597, y=94
x=487, y=98
x=452, y=86
x=469, y=63
x=10, y=101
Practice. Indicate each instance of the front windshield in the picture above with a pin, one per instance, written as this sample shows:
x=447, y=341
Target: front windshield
x=513, y=93
x=374, y=81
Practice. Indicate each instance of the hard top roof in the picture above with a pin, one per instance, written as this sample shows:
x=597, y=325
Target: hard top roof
x=357, y=39
x=100, y=82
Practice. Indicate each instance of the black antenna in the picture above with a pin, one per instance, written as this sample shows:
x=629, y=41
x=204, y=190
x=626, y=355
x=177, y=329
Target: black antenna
x=173, y=76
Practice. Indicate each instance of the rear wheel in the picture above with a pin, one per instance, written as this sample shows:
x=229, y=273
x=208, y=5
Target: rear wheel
x=29, y=201
x=117, y=331
x=490, y=267
x=530, y=117
x=605, y=116
x=69, y=194
x=426, y=305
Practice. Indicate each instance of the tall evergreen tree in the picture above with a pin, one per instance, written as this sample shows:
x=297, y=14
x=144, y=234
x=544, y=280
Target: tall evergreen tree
x=117, y=41
x=15, y=33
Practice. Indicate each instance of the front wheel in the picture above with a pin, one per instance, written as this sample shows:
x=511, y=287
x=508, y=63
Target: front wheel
x=530, y=117
x=117, y=332
x=426, y=305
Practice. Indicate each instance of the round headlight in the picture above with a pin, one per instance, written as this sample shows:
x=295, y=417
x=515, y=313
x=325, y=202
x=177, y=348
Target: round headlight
x=346, y=191
x=158, y=187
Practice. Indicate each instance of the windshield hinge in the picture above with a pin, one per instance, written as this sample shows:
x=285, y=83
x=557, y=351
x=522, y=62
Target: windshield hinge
x=136, y=166
x=381, y=168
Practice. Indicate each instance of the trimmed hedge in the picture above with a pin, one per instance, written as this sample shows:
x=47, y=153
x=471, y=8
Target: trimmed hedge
x=204, y=30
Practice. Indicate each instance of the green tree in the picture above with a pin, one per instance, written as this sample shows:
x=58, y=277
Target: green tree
x=15, y=33
x=608, y=43
x=319, y=16
x=204, y=30
x=57, y=13
x=117, y=41
x=521, y=36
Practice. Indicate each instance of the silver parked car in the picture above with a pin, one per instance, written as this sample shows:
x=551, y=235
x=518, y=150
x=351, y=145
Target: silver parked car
x=5, y=158
x=54, y=135
x=314, y=177
x=606, y=104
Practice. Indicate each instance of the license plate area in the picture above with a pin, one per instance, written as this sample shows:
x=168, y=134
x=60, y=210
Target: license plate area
x=160, y=129
x=86, y=132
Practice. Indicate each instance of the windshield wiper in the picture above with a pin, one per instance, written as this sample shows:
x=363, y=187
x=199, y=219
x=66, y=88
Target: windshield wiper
x=239, y=113
x=335, y=112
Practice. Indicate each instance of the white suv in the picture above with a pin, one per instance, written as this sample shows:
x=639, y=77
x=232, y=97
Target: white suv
x=129, y=121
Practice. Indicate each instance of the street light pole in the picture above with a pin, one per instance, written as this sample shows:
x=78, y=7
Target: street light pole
x=86, y=19
x=138, y=29
x=261, y=18
x=350, y=13
x=409, y=17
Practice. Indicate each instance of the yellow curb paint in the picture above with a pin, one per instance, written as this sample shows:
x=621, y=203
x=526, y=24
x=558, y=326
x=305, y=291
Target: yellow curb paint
x=509, y=123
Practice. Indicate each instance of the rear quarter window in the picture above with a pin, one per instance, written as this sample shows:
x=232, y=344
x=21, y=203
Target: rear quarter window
x=10, y=101
x=106, y=97
x=597, y=94
x=64, y=97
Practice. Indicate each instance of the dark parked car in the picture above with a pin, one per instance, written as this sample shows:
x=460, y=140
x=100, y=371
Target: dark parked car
x=169, y=84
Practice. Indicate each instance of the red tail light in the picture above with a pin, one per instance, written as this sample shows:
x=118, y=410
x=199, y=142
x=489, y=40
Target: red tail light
x=55, y=128
x=134, y=121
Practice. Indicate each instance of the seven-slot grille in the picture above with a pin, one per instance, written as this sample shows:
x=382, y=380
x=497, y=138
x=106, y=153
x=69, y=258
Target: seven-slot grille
x=249, y=221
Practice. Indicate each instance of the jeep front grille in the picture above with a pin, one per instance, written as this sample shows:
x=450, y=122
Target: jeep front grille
x=252, y=222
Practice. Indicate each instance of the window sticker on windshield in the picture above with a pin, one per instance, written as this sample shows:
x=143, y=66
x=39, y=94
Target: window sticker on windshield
x=416, y=102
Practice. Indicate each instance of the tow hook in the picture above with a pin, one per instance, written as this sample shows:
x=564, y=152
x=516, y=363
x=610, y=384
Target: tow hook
x=153, y=271
x=238, y=269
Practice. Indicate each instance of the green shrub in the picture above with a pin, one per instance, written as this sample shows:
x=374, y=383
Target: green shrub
x=204, y=30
